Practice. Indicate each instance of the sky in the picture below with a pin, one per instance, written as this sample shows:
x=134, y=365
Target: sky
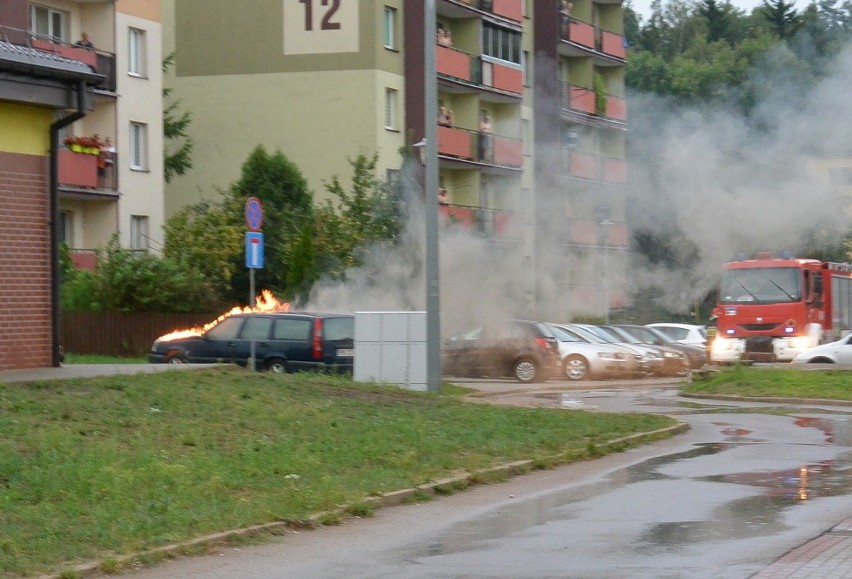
x=643, y=7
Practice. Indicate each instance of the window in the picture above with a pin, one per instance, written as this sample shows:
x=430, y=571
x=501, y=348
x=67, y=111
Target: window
x=227, y=329
x=390, y=27
x=138, y=146
x=66, y=228
x=136, y=52
x=49, y=23
x=501, y=43
x=391, y=106
x=292, y=329
x=256, y=328
x=139, y=232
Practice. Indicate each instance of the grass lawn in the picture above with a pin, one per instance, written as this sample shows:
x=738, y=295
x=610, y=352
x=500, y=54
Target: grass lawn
x=91, y=469
x=792, y=382
x=99, y=359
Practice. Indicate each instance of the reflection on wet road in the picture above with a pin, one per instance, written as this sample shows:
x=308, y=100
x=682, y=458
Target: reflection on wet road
x=719, y=509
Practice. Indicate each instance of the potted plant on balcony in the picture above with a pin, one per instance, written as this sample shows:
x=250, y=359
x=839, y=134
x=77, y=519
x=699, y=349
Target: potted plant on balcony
x=600, y=94
x=85, y=145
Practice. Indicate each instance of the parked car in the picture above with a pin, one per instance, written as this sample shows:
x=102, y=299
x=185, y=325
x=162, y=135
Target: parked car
x=691, y=334
x=696, y=355
x=672, y=362
x=524, y=350
x=283, y=342
x=582, y=359
x=650, y=361
x=837, y=352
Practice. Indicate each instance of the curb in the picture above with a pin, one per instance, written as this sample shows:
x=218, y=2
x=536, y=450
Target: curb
x=769, y=399
x=389, y=499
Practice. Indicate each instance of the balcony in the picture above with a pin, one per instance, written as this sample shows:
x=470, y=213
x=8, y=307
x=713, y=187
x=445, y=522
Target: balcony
x=492, y=223
x=509, y=9
x=456, y=143
x=595, y=168
x=590, y=233
x=456, y=65
x=78, y=172
x=583, y=39
x=581, y=100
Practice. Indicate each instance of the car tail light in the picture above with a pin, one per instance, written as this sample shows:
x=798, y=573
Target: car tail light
x=547, y=344
x=316, y=350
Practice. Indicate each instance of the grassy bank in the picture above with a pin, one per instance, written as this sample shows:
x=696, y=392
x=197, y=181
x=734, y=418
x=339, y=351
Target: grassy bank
x=92, y=469
x=789, y=382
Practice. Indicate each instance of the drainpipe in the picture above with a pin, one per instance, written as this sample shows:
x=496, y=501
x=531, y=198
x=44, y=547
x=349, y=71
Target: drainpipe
x=54, y=216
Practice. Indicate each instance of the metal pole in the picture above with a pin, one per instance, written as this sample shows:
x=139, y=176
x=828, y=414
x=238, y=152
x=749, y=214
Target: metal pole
x=433, y=316
x=252, y=303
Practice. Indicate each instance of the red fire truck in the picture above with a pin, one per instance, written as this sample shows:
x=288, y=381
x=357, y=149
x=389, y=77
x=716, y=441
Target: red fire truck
x=770, y=308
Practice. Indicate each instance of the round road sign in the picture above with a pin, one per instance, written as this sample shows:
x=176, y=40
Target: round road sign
x=254, y=214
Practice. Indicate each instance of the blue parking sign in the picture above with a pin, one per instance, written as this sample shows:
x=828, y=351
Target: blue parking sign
x=254, y=250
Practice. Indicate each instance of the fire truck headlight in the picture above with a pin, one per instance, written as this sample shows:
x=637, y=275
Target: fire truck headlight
x=730, y=331
x=789, y=330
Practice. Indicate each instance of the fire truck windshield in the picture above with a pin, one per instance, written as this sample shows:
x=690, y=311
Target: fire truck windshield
x=769, y=285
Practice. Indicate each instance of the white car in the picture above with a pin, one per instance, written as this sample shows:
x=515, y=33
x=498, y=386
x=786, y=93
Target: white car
x=691, y=334
x=837, y=352
x=582, y=359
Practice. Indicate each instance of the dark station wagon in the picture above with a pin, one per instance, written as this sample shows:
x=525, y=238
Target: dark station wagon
x=283, y=342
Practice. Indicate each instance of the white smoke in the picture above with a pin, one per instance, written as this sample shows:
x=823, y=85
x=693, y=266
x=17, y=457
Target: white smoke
x=723, y=184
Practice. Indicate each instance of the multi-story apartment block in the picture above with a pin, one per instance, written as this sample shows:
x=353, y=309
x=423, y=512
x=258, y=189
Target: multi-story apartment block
x=50, y=121
x=531, y=113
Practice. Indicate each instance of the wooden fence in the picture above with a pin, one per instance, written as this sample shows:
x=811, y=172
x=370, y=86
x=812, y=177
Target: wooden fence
x=121, y=334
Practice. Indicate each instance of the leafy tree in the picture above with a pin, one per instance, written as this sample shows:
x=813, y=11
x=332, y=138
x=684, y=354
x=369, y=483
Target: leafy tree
x=718, y=18
x=130, y=281
x=287, y=206
x=175, y=126
x=205, y=238
x=303, y=266
x=367, y=215
x=781, y=17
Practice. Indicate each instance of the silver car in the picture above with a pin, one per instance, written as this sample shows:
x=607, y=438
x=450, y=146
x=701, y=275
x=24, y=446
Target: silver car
x=636, y=365
x=582, y=359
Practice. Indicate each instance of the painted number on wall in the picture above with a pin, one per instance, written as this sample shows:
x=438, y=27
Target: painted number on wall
x=320, y=26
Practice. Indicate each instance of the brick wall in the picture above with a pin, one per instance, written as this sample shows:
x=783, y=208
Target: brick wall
x=25, y=323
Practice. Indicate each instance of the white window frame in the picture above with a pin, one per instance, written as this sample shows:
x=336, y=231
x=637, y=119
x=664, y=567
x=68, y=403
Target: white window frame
x=52, y=16
x=139, y=240
x=390, y=28
x=136, y=49
x=391, y=108
x=138, y=146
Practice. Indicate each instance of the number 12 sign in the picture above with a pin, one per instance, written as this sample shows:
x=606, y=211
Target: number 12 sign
x=320, y=26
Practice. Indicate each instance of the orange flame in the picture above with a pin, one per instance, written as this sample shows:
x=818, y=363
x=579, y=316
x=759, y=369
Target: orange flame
x=265, y=302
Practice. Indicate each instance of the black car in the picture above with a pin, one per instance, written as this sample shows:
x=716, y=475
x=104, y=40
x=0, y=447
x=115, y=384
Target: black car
x=697, y=356
x=283, y=342
x=524, y=350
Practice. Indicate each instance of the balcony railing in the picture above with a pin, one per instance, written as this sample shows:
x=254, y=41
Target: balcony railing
x=583, y=100
x=100, y=61
x=591, y=233
x=482, y=147
x=594, y=38
x=595, y=168
x=81, y=171
x=493, y=223
x=508, y=9
x=470, y=68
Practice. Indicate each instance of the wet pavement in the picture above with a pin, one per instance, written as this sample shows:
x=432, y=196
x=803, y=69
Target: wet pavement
x=753, y=489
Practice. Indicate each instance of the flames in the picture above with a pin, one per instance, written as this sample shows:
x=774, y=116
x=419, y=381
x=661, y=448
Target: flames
x=265, y=302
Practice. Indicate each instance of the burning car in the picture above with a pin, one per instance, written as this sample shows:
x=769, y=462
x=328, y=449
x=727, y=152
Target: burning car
x=282, y=341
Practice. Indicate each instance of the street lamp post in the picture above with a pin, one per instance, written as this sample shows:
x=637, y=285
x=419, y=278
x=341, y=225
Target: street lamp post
x=430, y=106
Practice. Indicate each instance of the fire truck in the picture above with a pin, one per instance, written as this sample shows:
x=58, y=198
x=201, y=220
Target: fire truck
x=771, y=308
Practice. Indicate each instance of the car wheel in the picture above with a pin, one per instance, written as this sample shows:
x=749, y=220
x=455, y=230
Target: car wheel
x=526, y=370
x=276, y=365
x=576, y=367
x=175, y=358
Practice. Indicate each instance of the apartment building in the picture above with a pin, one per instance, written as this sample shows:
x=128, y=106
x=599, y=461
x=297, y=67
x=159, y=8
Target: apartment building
x=531, y=114
x=56, y=96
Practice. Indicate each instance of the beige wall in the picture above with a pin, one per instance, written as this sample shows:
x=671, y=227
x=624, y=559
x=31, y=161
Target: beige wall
x=338, y=115
x=144, y=9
